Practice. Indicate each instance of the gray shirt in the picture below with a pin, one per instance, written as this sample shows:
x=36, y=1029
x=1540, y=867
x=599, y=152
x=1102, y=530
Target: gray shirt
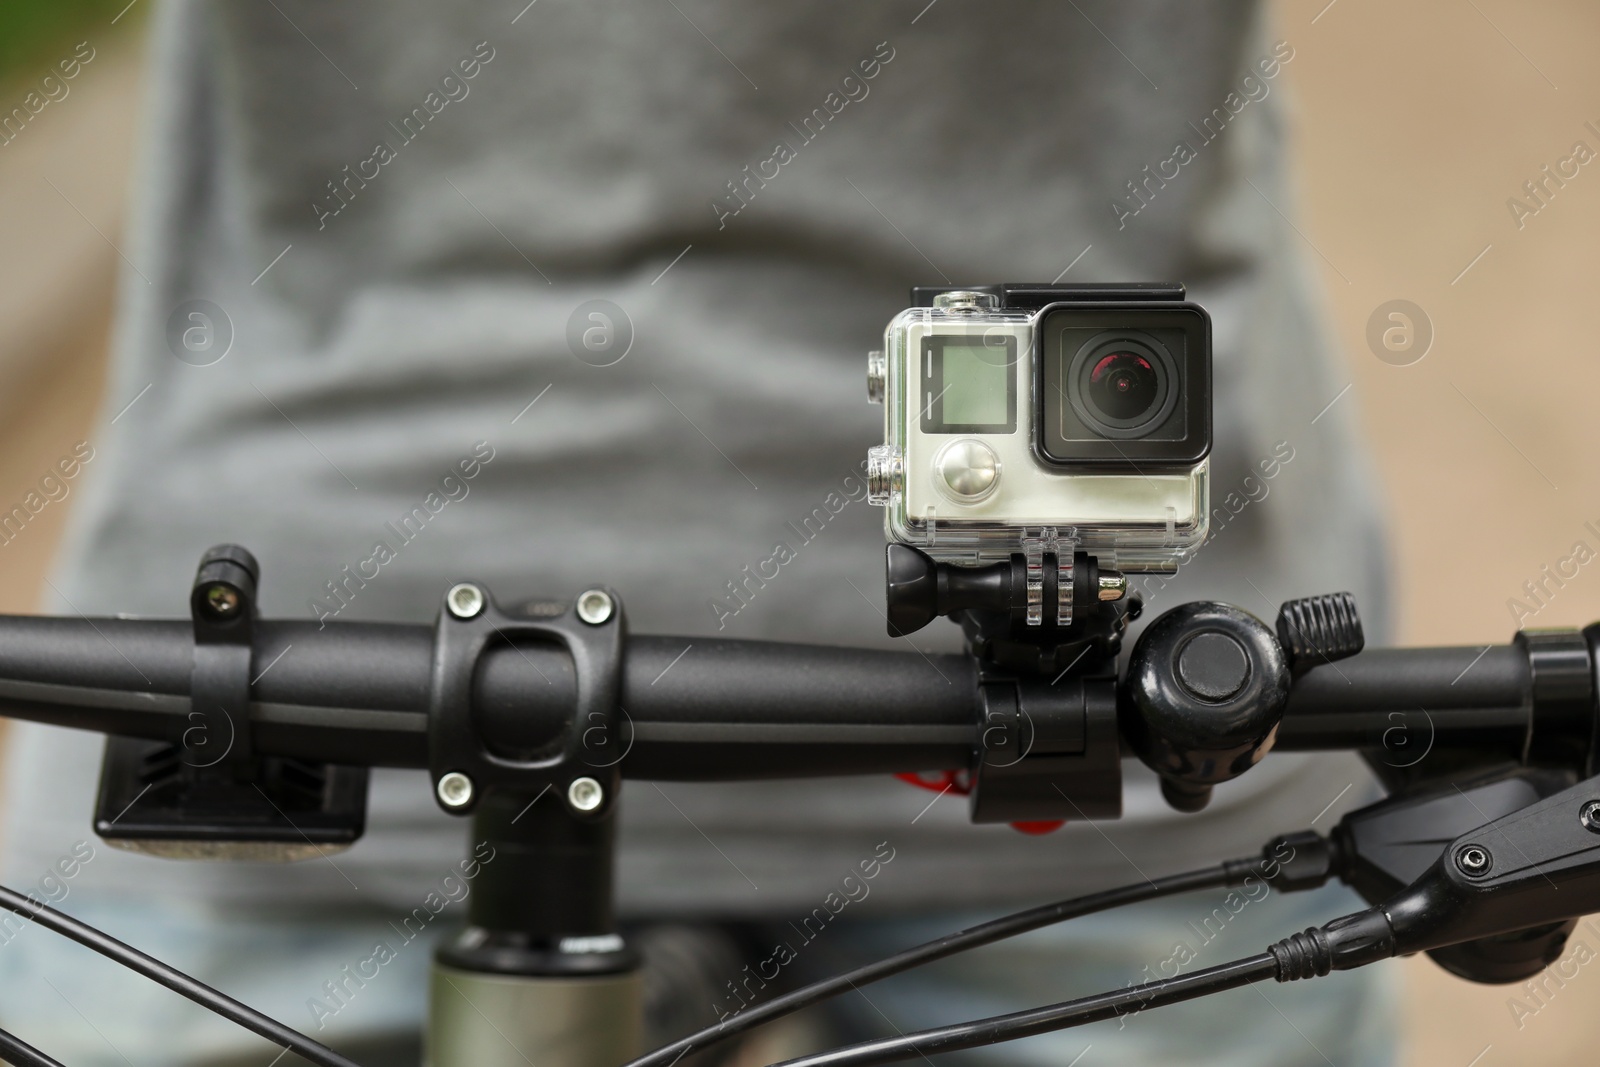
x=401, y=210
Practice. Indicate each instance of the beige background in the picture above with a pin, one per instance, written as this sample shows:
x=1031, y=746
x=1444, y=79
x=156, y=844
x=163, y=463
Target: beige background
x=1414, y=125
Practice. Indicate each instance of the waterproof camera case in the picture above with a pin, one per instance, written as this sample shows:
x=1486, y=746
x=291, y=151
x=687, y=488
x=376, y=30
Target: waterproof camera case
x=1062, y=418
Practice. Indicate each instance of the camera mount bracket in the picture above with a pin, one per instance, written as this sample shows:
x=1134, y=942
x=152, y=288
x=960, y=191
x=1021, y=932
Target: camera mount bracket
x=1028, y=611
x=205, y=793
x=1047, y=647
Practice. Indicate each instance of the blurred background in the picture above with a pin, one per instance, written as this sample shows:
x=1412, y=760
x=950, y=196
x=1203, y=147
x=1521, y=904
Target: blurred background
x=1414, y=126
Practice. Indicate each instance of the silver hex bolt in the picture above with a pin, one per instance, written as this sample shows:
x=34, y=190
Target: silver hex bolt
x=222, y=600
x=585, y=794
x=1589, y=815
x=1473, y=860
x=464, y=600
x=595, y=607
x=455, y=790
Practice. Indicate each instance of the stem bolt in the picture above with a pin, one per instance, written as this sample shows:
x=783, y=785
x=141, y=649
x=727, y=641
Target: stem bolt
x=594, y=608
x=1473, y=860
x=464, y=600
x=585, y=794
x=455, y=790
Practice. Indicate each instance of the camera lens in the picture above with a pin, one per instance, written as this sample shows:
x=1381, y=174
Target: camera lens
x=1123, y=386
x=1123, y=389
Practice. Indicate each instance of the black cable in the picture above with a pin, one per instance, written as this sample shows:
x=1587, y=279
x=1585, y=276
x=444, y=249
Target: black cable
x=19, y=1053
x=982, y=934
x=174, y=979
x=1051, y=1017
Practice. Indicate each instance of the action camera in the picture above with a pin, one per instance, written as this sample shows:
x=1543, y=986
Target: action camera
x=1067, y=413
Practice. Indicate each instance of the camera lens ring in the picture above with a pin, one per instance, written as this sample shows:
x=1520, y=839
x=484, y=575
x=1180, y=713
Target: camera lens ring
x=1151, y=354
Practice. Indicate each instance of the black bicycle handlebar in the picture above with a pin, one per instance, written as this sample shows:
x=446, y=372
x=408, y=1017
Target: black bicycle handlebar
x=357, y=693
x=1464, y=697
x=374, y=694
x=691, y=708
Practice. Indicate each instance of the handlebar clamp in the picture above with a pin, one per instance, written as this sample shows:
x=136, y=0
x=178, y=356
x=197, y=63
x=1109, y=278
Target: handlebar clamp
x=204, y=792
x=583, y=765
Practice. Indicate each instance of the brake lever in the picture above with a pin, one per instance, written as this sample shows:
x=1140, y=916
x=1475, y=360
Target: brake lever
x=1537, y=866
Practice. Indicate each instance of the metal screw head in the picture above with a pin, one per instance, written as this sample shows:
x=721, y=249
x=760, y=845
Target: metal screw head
x=464, y=600
x=585, y=794
x=1113, y=586
x=1473, y=860
x=222, y=600
x=455, y=790
x=594, y=608
x=1589, y=815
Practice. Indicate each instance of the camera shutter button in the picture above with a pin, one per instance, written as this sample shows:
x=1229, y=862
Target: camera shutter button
x=969, y=468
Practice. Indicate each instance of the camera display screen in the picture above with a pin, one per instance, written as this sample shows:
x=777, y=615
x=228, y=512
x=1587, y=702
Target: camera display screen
x=969, y=385
x=1129, y=388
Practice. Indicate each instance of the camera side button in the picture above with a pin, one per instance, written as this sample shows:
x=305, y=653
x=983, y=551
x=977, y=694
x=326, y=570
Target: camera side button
x=877, y=376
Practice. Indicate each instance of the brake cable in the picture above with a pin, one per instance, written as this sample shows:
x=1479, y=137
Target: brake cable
x=1312, y=869
x=21, y=1054
x=232, y=1010
x=1061, y=1016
